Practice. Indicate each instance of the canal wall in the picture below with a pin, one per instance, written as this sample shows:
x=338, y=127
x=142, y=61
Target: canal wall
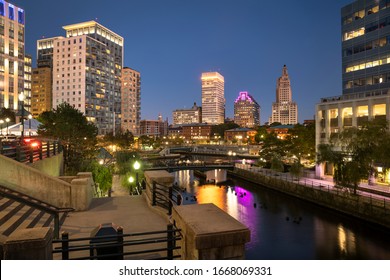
x=365, y=208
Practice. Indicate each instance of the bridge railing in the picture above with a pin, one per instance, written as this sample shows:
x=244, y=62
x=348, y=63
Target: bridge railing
x=165, y=196
x=29, y=153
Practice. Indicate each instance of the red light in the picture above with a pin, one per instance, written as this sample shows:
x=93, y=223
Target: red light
x=34, y=144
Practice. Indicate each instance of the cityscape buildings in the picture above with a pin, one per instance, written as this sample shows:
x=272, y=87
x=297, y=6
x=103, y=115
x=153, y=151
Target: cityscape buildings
x=27, y=81
x=12, y=31
x=154, y=128
x=86, y=66
x=284, y=110
x=187, y=116
x=41, y=96
x=131, y=100
x=246, y=110
x=365, y=73
x=213, y=98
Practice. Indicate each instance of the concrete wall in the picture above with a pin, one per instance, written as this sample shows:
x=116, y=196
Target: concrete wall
x=30, y=181
x=53, y=166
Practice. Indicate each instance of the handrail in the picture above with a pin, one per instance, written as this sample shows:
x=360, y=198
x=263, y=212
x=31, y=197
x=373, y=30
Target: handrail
x=112, y=246
x=38, y=204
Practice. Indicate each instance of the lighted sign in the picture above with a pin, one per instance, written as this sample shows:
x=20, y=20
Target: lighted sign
x=243, y=96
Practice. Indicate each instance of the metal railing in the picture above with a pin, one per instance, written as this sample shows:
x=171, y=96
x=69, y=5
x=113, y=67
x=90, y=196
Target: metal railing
x=28, y=153
x=37, y=204
x=165, y=196
x=120, y=245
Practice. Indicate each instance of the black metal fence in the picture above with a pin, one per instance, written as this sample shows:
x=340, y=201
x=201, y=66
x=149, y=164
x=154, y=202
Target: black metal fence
x=29, y=152
x=156, y=245
x=165, y=196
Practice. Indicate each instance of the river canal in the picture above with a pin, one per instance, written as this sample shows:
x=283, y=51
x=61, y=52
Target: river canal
x=283, y=227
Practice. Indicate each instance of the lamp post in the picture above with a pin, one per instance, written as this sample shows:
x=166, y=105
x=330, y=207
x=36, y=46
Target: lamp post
x=1, y=127
x=21, y=99
x=7, y=120
x=131, y=181
x=29, y=124
x=136, y=166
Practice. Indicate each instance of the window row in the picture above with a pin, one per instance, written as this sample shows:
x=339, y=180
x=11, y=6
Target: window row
x=367, y=81
x=372, y=9
x=367, y=64
x=382, y=42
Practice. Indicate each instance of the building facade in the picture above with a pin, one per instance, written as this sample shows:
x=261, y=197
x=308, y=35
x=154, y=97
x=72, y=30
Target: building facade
x=365, y=73
x=131, y=101
x=154, y=128
x=240, y=135
x=246, y=110
x=197, y=132
x=284, y=110
x=12, y=45
x=213, y=98
x=41, y=90
x=27, y=81
x=187, y=116
x=87, y=66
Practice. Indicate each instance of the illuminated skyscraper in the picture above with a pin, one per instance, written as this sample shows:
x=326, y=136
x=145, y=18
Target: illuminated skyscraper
x=11, y=54
x=86, y=68
x=131, y=100
x=213, y=98
x=284, y=110
x=246, y=110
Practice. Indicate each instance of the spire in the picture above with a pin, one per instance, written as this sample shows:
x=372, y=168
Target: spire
x=285, y=70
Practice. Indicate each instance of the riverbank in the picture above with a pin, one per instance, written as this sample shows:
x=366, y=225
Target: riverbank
x=373, y=210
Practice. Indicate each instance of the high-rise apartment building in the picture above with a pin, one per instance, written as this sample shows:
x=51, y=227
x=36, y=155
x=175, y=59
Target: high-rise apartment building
x=27, y=81
x=12, y=28
x=86, y=67
x=213, y=98
x=41, y=96
x=187, y=116
x=284, y=110
x=246, y=110
x=365, y=73
x=131, y=100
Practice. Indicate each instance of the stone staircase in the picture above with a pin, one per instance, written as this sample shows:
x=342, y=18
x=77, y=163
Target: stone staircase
x=18, y=211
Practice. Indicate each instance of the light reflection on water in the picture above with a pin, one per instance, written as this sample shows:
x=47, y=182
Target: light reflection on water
x=286, y=228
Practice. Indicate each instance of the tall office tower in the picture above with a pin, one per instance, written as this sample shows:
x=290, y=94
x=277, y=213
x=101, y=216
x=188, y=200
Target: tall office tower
x=213, y=98
x=365, y=73
x=131, y=100
x=246, y=110
x=284, y=110
x=41, y=96
x=11, y=54
x=27, y=81
x=87, y=67
x=187, y=116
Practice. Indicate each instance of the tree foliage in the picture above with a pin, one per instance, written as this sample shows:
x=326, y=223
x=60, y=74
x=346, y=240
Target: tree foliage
x=355, y=151
x=220, y=129
x=7, y=113
x=71, y=127
x=122, y=139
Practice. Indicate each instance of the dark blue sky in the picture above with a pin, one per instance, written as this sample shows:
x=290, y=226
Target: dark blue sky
x=171, y=42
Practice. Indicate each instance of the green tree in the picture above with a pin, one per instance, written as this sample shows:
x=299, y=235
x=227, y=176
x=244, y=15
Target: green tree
x=122, y=139
x=296, y=169
x=102, y=175
x=219, y=129
x=7, y=113
x=71, y=127
x=301, y=142
x=354, y=152
x=277, y=163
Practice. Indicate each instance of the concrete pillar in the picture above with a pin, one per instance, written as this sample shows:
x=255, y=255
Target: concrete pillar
x=209, y=233
x=29, y=244
x=81, y=193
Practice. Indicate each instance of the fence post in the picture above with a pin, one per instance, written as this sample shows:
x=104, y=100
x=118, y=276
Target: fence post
x=40, y=152
x=1, y=147
x=120, y=243
x=56, y=225
x=48, y=149
x=170, y=242
x=154, y=194
x=31, y=154
x=54, y=148
x=65, y=245
x=170, y=195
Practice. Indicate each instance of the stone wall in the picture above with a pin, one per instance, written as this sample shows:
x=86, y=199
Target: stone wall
x=53, y=166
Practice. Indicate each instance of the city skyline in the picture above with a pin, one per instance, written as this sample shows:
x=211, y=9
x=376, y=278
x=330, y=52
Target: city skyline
x=172, y=43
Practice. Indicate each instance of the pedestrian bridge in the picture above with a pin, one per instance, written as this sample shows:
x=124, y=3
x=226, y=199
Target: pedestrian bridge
x=192, y=166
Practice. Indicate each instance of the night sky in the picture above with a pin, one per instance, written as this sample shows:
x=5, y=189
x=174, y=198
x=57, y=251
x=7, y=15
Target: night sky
x=171, y=42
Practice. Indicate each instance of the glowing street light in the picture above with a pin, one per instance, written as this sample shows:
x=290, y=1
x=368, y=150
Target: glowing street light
x=131, y=181
x=136, y=166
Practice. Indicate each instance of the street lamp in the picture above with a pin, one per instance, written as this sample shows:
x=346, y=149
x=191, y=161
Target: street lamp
x=136, y=166
x=21, y=99
x=1, y=126
x=29, y=124
x=131, y=181
x=7, y=120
